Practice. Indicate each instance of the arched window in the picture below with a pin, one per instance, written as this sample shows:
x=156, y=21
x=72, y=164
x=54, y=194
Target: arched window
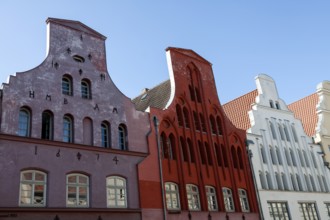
x=263, y=180
x=279, y=158
x=197, y=125
x=240, y=158
x=122, y=137
x=171, y=147
x=77, y=188
x=309, y=187
x=24, y=122
x=186, y=118
x=219, y=125
x=172, y=196
x=191, y=151
x=299, y=183
x=163, y=145
x=294, y=183
x=47, y=125
x=202, y=152
x=277, y=105
x=179, y=115
x=213, y=125
x=272, y=130
x=279, y=181
x=218, y=154
x=88, y=131
x=269, y=181
x=263, y=154
x=68, y=128
x=273, y=155
x=193, y=197
x=116, y=192
x=271, y=103
x=184, y=150
x=33, y=188
x=295, y=137
x=86, y=92
x=228, y=199
x=202, y=122
x=208, y=153
x=302, y=162
x=224, y=155
x=243, y=200
x=280, y=129
x=285, y=182
x=233, y=156
x=293, y=158
x=313, y=158
x=198, y=95
x=192, y=93
x=313, y=183
x=211, y=198
x=67, y=85
x=306, y=158
x=105, y=134
x=287, y=156
x=286, y=133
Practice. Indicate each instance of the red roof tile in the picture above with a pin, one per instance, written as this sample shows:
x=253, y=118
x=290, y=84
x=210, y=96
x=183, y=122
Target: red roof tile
x=237, y=109
x=305, y=110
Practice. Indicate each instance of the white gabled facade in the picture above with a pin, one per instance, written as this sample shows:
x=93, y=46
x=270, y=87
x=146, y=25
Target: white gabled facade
x=288, y=167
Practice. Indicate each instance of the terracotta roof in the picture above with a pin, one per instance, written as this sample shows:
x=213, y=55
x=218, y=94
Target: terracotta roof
x=156, y=97
x=305, y=110
x=237, y=109
x=190, y=53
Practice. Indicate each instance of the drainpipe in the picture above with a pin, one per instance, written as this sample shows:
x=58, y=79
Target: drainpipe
x=156, y=124
x=250, y=155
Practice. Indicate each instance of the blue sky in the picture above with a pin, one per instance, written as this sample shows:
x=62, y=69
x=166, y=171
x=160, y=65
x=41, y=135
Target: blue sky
x=288, y=40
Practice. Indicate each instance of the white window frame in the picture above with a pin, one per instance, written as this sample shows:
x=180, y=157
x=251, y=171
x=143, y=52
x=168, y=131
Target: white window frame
x=228, y=199
x=193, y=197
x=77, y=185
x=34, y=183
x=211, y=198
x=117, y=191
x=172, y=196
x=244, y=200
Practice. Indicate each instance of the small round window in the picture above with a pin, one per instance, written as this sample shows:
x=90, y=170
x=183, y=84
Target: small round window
x=78, y=59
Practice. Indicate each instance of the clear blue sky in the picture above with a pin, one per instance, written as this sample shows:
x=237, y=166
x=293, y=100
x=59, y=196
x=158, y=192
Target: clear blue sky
x=288, y=40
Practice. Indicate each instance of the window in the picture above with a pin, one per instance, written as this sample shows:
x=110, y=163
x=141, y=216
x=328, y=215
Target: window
x=286, y=133
x=279, y=181
x=122, y=137
x=192, y=93
x=243, y=200
x=233, y=155
x=308, y=211
x=277, y=105
x=240, y=158
x=198, y=95
x=263, y=154
x=218, y=154
x=86, y=89
x=116, y=192
x=191, y=151
x=327, y=205
x=269, y=181
x=202, y=152
x=213, y=125
x=281, y=132
x=33, y=188
x=67, y=129
x=172, y=196
x=77, y=188
x=202, y=122
x=295, y=137
x=293, y=158
x=299, y=183
x=186, y=118
x=294, y=182
x=279, y=158
x=272, y=130
x=193, y=197
x=197, y=125
x=302, y=162
x=285, y=181
x=88, y=131
x=287, y=156
x=179, y=115
x=224, y=155
x=273, y=155
x=208, y=153
x=105, y=134
x=47, y=125
x=24, y=122
x=263, y=180
x=278, y=210
x=67, y=85
x=306, y=158
x=219, y=125
x=228, y=199
x=271, y=103
x=184, y=150
x=211, y=198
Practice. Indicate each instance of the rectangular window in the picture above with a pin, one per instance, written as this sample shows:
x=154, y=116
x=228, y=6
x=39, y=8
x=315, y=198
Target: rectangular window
x=211, y=198
x=278, y=210
x=172, y=196
x=33, y=188
x=193, y=197
x=308, y=211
